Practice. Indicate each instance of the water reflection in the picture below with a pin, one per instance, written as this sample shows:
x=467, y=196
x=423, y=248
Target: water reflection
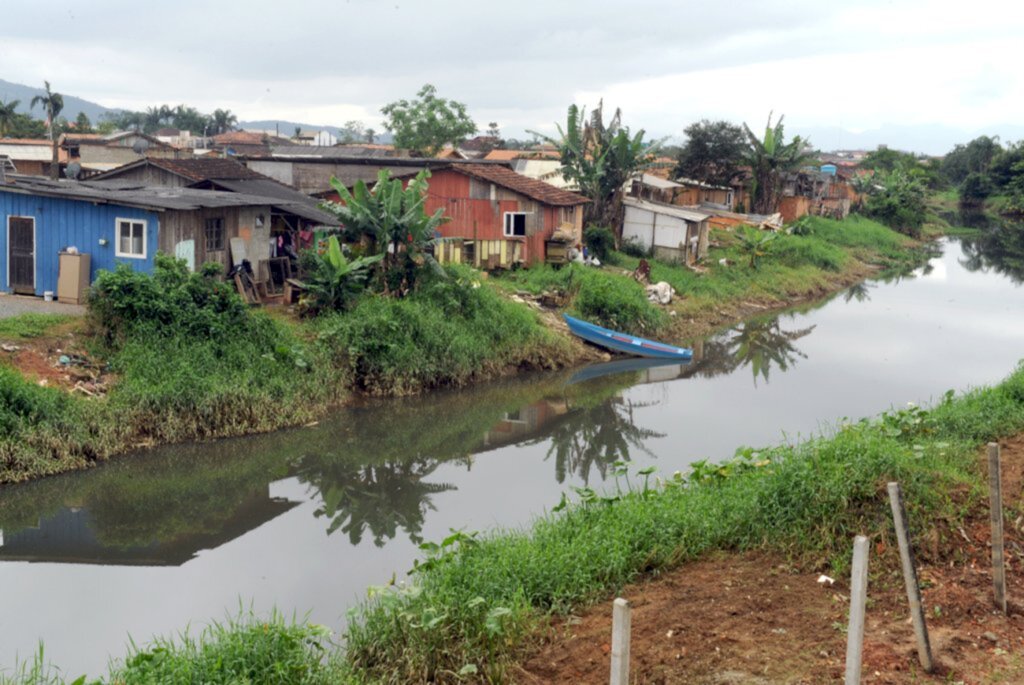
x=998, y=247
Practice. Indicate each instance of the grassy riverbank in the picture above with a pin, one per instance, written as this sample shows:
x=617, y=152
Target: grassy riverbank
x=821, y=256
x=477, y=603
x=178, y=357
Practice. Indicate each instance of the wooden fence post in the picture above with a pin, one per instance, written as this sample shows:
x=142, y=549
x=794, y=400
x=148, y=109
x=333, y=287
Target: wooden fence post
x=899, y=517
x=620, y=642
x=995, y=484
x=858, y=598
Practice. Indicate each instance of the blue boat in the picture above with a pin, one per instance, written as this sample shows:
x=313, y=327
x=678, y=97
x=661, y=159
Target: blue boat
x=622, y=342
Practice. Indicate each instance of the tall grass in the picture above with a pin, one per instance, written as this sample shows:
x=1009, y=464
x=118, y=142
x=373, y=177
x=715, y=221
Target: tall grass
x=31, y=325
x=445, y=334
x=477, y=600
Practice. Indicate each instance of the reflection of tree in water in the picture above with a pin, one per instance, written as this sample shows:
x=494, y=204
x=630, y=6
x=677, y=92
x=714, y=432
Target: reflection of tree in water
x=758, y=343
x=596, y=437
x=381, y=498
x=861, y=292
x=1000, y=248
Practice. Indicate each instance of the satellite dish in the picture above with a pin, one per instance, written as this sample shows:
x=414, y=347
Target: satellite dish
x=73, y=170
x=140, y=146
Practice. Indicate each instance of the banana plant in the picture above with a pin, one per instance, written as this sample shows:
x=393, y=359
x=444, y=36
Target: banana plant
x=770, y=159
x=335, y=281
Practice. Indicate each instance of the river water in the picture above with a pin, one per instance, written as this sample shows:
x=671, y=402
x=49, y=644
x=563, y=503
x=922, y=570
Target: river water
x=306, y=520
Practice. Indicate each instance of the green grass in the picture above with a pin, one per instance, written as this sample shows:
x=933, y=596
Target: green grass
x=479, y=601
x=31, y=325
x=446, y=334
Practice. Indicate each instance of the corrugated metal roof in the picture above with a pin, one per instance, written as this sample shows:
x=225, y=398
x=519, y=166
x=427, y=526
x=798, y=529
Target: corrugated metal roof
x=274, y=193
x=658, y=182
x=26, y=151
x=668, y=210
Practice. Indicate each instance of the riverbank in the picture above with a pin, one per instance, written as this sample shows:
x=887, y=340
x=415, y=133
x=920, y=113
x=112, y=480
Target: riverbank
x=173, y=358
x=487, y=604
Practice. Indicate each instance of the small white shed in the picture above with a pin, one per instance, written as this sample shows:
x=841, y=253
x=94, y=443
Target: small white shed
x=672, y=233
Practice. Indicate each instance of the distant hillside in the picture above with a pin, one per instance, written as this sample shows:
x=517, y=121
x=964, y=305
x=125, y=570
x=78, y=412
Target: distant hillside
x=72, y=105
x=930, y=139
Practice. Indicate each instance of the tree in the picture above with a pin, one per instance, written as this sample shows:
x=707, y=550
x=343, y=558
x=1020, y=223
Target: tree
x=975, y=157
x=599, y=159
x=713, y=152
x=7, y=116
x=82, y=123
x=975, y=188
x=52, y=103
x=897, y=199
x=770, y=159
x=351, y=132
x=222, y=121
x=371, y=135
x=394, y=219
x=425, y=125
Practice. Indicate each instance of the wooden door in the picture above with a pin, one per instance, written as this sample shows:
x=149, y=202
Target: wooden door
x=21, y=254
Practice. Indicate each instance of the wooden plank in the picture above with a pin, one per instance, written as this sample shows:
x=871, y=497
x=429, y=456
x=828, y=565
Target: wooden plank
x=504, y=252
x=621, y=626
x=899, y=517
x=858, y=599
x=995, y=484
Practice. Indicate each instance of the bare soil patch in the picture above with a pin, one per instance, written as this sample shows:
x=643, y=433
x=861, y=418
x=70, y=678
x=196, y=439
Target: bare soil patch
x=756, y=618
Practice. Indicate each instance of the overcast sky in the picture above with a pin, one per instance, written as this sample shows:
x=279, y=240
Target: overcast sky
x=856, y=65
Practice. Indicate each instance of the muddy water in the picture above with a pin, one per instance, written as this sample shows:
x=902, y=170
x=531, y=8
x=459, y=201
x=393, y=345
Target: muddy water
x=306, y=520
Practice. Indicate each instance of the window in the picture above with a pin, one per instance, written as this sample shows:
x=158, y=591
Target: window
x=214, y=235
x=131, y=238
x=515, y=224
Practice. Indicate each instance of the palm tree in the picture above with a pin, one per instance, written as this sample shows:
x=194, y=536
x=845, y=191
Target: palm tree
x=53, y=103
x=7, y=115
x=223, y=121
x=769, y=159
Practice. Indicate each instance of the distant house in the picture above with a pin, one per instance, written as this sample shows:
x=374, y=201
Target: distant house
x=543, y=165
x=29, y=155
x=95, y=152
x=321, y=137
x=115, y=222
x=684, y=192
x=241, y=143
x=821, y=192
x=672, y=233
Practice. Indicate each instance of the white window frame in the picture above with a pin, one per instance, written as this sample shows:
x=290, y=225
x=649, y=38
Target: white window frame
x=35, y=250
x=117, y=238
x=505, y=224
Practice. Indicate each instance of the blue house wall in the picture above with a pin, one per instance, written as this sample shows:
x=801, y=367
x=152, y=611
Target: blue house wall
x=62, y=223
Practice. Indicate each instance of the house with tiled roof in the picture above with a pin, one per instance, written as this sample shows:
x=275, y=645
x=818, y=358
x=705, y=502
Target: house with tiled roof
x=97, y=152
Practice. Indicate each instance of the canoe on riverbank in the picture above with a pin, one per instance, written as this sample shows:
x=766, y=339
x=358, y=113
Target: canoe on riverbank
x=625, y=343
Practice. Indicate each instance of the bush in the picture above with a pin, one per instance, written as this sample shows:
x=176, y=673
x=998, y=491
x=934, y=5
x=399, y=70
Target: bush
x=898, y=201
x=172, y=300
x=975, y=188
x=797, y=250
x=616, y=302
x=634, y=248
x=600, y=241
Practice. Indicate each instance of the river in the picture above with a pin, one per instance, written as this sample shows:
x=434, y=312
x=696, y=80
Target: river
x=306, y=520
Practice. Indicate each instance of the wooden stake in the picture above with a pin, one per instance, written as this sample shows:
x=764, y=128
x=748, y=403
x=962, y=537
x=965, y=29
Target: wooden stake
x=995, y=484
x=620, y=642
x=858, y=599
x=899, y=517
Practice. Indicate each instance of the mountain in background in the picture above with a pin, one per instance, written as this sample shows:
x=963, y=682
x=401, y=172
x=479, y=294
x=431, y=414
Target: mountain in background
x=72, y=105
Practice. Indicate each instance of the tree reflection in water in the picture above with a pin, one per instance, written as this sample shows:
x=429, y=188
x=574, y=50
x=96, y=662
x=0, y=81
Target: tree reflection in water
x=595, y=437
x=998, y=247
x=758, y=343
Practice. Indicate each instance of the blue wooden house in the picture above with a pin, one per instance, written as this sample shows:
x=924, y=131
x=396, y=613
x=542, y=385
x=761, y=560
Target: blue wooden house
x=118, y=222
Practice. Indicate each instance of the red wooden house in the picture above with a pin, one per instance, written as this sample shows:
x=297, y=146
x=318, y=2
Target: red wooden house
x=501, y=216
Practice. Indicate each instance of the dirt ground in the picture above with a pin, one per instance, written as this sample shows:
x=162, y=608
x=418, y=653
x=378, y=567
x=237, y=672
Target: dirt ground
x=38, y=359
x=754, y=618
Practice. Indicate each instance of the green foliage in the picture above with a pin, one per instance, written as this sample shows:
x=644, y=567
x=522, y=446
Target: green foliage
x=392, y=216
x=755, y=243
x=25, y=405
x=600, y=241
x=897, y=199
x=634, y=248
x=333, y=280
x=425, y=125
x=974, y=157
x=974, y=189
x=600, y=158
x=246, y=649
x=171, y=301
x=769, y=159
x=615, y=302
x=449, y=331
x=7, y=116
x=31, y=325
x=52, y=103
x=713, y=152
x=808, y=500
x=799, y=250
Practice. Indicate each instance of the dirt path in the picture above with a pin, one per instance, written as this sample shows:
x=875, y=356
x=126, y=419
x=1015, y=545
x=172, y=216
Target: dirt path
x=752, y=618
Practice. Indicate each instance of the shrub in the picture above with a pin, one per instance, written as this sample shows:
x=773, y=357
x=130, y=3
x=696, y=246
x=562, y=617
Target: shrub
x=634, y=248
x=616, y=302
x=600, y=241
x=897, y=200
x=796, y=251
x=334, y=281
